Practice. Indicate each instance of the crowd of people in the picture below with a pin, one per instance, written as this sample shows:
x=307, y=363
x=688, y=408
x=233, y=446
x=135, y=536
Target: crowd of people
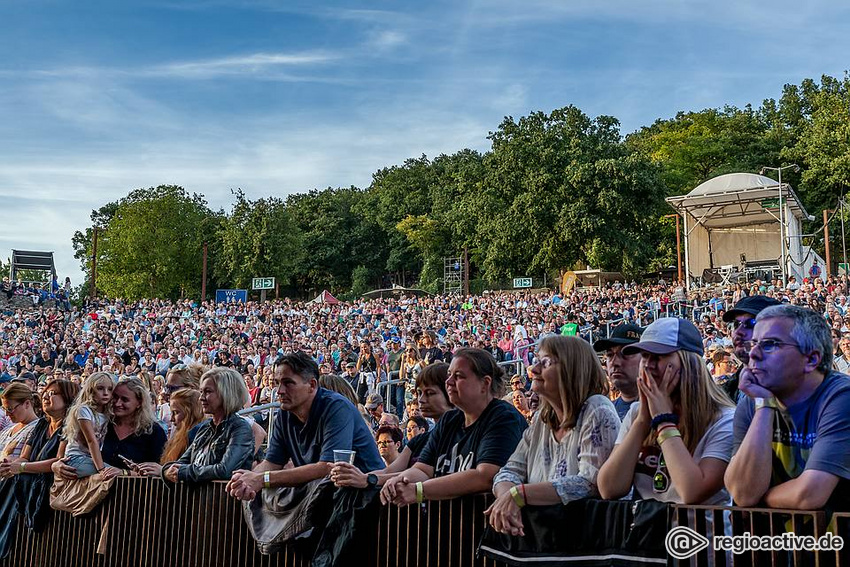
x=641, y=391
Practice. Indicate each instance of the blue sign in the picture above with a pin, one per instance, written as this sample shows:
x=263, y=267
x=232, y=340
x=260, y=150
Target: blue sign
x=231, y=295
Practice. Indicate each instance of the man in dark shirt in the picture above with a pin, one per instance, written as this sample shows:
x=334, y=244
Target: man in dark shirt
x=312, y=424
x=43, y=360
x=622, y=369
x=743, y=320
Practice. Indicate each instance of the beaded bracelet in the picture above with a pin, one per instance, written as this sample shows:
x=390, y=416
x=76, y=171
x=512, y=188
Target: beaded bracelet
x=664, y=418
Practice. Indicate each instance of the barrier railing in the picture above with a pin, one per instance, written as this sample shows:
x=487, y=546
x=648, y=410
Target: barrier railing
x=146, y=523
x=715, y=522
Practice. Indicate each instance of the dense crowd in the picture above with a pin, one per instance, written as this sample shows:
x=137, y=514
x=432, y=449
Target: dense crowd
x=624, y=389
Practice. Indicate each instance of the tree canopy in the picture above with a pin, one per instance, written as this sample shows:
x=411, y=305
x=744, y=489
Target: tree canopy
x=555, y=191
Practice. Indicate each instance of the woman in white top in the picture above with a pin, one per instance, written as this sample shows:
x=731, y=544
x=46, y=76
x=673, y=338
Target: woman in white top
x=675, y=444
x=570, y=436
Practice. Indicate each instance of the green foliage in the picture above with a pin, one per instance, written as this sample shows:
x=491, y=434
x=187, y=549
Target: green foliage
x=562, y=189
x=696, y=146
x=151, y=246
x=257, y=239
x=360, y=281
x=555, y=191
x=823, y=146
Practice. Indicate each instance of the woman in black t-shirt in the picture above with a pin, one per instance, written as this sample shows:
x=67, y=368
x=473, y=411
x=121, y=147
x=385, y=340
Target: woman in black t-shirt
x=433, y=403
x=471, y=443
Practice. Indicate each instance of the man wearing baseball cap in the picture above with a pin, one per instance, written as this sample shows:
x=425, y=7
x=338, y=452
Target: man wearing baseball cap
x=743, y=319
x=622, y=369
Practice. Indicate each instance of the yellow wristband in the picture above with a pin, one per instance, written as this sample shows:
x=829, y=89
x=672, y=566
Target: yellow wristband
x=267, y=479
x=667, y=434
x=520, y=501
x=420, y=493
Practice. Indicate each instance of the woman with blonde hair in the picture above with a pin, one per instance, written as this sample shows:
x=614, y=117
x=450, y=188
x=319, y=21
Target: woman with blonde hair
x=133, y=432
x=675, y=444
x=570, y=437
x=222, y=444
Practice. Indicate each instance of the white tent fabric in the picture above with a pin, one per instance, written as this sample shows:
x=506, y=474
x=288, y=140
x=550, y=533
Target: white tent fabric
x=737, y=214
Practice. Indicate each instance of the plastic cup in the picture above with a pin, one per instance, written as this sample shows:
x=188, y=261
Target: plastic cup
x=344, y=456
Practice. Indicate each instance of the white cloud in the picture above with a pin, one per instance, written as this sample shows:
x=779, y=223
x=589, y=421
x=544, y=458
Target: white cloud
x=254, y=64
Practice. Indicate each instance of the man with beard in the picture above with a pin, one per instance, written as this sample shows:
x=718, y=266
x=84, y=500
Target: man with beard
x=622, y=369
x=743, y=319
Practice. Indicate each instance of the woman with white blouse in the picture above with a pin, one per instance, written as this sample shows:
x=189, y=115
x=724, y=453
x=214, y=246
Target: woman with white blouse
x=570, y=437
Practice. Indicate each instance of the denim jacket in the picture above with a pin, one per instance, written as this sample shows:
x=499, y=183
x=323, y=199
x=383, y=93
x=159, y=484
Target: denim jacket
x=218, y=450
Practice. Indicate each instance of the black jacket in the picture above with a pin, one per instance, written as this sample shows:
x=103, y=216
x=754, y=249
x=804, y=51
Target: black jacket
x=218, y=450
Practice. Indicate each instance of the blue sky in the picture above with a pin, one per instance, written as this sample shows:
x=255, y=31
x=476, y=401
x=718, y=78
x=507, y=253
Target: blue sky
x=99, y=98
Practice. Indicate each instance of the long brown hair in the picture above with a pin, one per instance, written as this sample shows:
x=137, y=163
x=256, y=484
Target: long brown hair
x=189, y=401
x=580, y=375
x=698, y=398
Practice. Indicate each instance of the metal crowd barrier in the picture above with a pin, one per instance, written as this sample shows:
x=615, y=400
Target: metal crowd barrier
x=146, y=523
x=723, y=521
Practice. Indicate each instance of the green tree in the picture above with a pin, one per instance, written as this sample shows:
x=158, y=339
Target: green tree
x=334, y=239
x=823, y=146
x=696, y=146
x=258, y=238
x=563, y=189
x=151, y=245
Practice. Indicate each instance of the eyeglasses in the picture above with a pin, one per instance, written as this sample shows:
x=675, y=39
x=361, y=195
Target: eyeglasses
x=544, y=361
x=748, y=324
x=9, y=410
x=385, y=443
x=768, y=346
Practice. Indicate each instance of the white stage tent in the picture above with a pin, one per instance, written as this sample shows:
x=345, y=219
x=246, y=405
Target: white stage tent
x=737, y=216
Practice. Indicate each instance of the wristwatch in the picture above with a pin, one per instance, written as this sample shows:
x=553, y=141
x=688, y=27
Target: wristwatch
x=371, y=480
x=771, y=403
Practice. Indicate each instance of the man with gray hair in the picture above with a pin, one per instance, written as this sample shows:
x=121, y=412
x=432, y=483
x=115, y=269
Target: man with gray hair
x=792, y=430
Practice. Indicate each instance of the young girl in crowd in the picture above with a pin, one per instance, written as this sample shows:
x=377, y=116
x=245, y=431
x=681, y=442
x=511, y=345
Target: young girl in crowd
x=85, y=427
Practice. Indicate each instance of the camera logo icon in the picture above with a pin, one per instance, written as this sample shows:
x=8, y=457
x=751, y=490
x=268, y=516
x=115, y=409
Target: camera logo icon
x=682, y=542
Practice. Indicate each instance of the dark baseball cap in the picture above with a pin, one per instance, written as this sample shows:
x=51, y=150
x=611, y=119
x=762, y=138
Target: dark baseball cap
x=668, y=335
x=750, y=305
x=621, y=335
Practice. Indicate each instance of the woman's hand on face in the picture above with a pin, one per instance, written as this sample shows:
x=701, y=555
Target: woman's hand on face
x=658, y=395
x=644, y=416
x=505, y=516
x=345, y=474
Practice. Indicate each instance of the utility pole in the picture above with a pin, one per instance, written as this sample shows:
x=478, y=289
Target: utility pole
x=826, y=240
x=204, y=276
x=678, y=245
x=843, y=242
x=465, y=271
x=93, y=290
